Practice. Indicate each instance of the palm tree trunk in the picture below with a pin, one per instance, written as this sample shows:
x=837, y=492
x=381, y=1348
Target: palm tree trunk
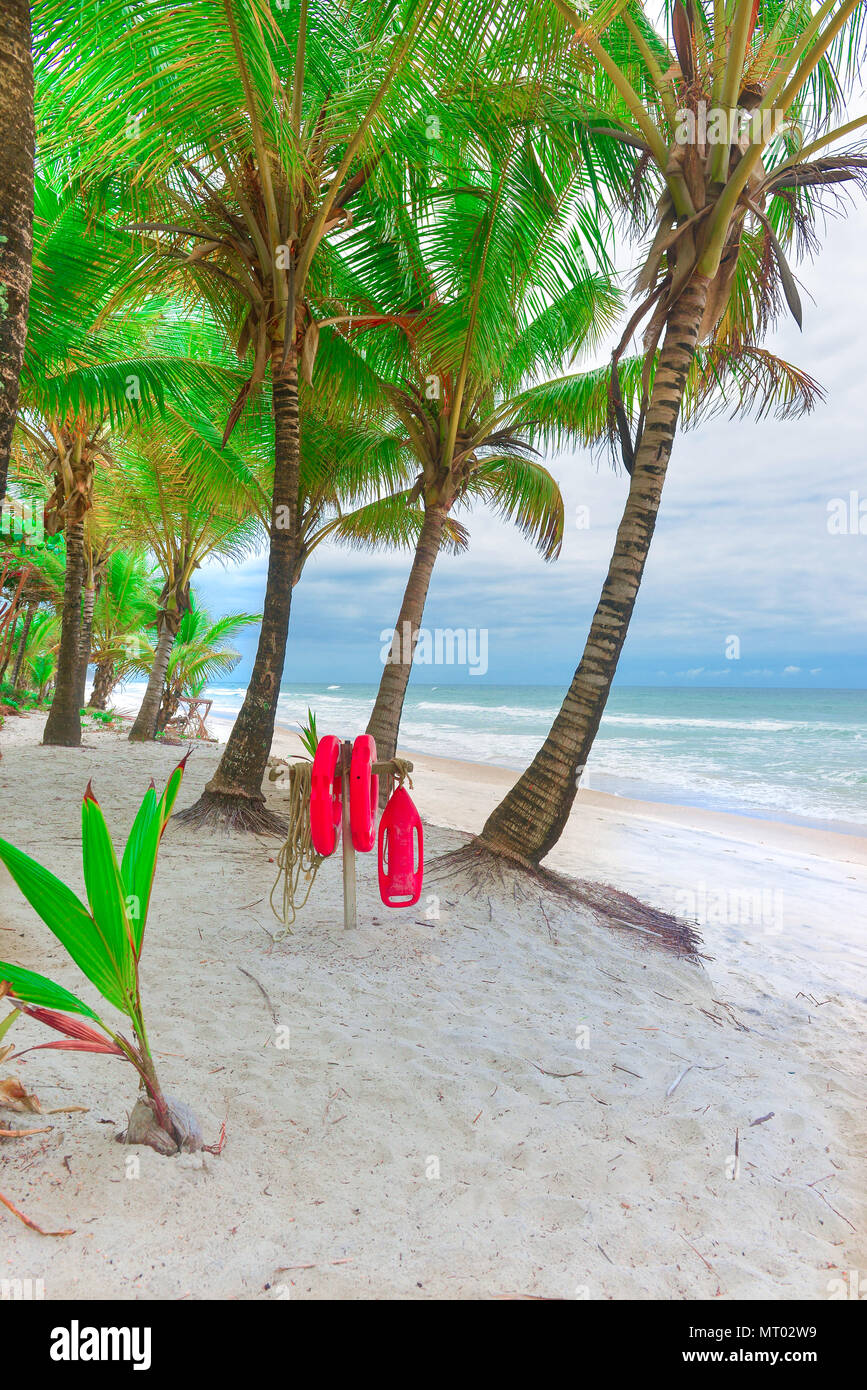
x=234, y=794
x=84, y=642
x=168, y=708
x=384, y=721
x=145, y=726
x=63, y=726
x=103, y=684
x=16, y=209
x=530, y=819
x=22, y=645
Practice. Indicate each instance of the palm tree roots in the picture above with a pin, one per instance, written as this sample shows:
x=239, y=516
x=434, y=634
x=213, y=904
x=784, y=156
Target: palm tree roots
x=232, y=812
x=482, y=869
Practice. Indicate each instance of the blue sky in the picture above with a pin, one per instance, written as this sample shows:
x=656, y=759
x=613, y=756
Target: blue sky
x=742, y=548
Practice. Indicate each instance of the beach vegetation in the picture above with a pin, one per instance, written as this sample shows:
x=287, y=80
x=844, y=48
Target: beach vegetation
x=105, y=940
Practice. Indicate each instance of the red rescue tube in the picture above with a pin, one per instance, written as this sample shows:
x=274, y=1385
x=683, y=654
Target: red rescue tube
x=363, y=793
x=325, y=788
x=400, y=831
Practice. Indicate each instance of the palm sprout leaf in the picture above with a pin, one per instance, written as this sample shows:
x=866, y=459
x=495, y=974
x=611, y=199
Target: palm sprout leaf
x=139, y=862
x=107, y=896
x=32, y=988
x=308, y=734
x=71, y=923
x=170, y=794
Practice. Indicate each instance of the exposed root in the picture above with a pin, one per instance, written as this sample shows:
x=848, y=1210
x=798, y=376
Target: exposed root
x=31, y=1225
x=232, y=812
x=217, y=1148
x=481, y=868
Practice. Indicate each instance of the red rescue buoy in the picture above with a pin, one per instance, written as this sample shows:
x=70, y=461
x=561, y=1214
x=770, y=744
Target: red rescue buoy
x=363, y=793
x=400, y=877
x=325, y=789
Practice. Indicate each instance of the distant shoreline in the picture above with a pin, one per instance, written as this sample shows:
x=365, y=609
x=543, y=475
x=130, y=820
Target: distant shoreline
x=635, y=801
x=617, y=784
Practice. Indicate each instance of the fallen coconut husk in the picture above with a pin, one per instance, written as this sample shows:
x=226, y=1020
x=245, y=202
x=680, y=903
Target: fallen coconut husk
x=143, y=1127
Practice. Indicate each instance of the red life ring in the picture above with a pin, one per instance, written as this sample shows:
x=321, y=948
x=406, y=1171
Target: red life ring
x=363, y=793
x=325, y=790
x=401, y=852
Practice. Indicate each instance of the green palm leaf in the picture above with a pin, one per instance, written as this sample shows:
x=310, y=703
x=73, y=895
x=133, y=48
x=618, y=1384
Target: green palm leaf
x=140, y=861
x=31, y=988
x=170, y=794
x=105, y=891
x=68, y=919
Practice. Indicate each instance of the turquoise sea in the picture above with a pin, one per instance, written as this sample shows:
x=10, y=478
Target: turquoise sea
x=795, y=755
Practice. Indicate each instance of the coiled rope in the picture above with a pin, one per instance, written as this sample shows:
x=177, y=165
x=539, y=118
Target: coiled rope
x=296, y=857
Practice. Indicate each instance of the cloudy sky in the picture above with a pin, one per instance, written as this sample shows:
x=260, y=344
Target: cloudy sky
x=742, y=549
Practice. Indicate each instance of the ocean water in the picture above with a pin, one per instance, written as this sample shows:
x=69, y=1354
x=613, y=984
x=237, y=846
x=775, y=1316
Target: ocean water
x=794, y=755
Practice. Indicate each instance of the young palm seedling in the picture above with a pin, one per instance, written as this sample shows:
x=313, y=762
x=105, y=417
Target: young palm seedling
x=309, y=736
x=106, y=944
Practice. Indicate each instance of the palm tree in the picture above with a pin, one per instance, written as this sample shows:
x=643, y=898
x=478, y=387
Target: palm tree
x=125, y=607
x=502, y=293
x=177, y=496
x=201, y=654
x=44, y=585
x=30, y=610
x=725, y=204
x=39, y=653
x=87, y=367
x=491, y=284
x=352, y=482
x=16, y=210
x=274, y=125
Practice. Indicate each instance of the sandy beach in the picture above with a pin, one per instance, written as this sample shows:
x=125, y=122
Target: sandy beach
x=490, y=1095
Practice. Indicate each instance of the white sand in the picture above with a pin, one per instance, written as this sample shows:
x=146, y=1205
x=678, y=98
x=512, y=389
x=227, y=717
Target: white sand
x=408, y=1142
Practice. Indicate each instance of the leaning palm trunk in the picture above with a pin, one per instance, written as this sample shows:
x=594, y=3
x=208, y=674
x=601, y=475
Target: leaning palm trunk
x=16, y=209
x=145, y=725
x=22, y=645
x=385, y=720
x=84, y=641
x=530, y=819
x=234, y=794
x=63, y=726
x=104, y=681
